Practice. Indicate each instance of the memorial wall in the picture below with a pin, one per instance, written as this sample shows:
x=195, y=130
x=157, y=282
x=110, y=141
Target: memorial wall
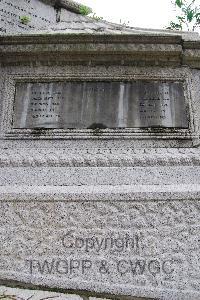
x=24, y=16
x=99, y=156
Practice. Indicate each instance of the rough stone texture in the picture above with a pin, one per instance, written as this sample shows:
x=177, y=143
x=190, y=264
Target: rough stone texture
x=102, y=213
x=143, y=248
x=102, y=186
x=25, y=294
x=40, y=15
x=98, y=157
x=17, y=294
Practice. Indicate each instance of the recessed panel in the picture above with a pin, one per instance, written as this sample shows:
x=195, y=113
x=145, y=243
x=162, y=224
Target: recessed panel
x=103, y=104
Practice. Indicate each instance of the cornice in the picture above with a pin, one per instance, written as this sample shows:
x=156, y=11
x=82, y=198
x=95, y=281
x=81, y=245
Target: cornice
x=87, y=38
x=172, y=47
x=86, y=44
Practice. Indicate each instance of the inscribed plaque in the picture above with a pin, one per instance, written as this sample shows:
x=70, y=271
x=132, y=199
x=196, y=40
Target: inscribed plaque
x=103, y=104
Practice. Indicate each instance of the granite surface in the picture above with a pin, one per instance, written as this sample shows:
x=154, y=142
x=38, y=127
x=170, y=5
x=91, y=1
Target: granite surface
x=24, y=294
x=99, y=212
x=143, y=248
x=12, y=12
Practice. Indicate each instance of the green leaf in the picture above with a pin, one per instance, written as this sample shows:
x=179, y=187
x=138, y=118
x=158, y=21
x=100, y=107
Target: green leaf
x=179, y=3
x=85, y=10
x=25, y=19
x=190, y=15
x=175, y=26
x=182, y=19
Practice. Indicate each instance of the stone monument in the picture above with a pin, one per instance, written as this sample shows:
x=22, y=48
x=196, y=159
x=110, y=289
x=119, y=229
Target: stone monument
x=100, y=157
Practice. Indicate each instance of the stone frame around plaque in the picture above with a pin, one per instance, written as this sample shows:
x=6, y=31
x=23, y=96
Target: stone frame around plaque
x=9, y=132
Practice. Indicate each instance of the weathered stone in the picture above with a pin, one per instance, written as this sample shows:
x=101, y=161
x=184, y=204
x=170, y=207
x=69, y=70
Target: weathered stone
x=13, y=14
x=100, y=105
x=7, y=293
x=17, y=294
x=105, y=213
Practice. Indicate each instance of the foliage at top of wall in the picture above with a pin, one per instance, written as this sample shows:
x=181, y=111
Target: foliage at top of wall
x=85, y=10
x=188, y=15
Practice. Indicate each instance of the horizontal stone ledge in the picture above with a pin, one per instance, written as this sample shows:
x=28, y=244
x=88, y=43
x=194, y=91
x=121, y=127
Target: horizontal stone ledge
x=192, y=44
x=99, y=176
x=100, y=193
x=62, y=159
x=191, y=57
x=46, y=38
x=76, y=49
x=121, y=292
x=133, y=133
x=192, y=54
x=35, y=294
x=123, y=60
